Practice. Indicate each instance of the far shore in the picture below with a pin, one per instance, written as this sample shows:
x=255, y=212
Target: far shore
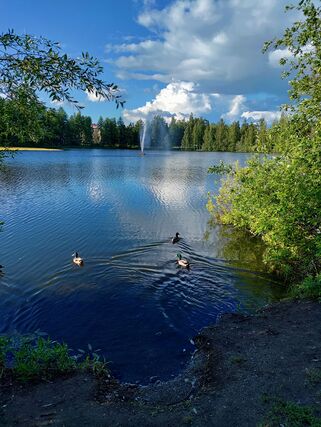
x=29, y=149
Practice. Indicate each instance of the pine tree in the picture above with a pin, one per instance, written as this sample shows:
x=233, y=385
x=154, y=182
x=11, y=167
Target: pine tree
x=209, y=138
x=122, y=133
x=187, y=140
x=221, y=136
x=233, y=136
x=198, y=133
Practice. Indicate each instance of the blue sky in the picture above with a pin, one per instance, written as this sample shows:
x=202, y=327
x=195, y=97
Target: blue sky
x=170, y=57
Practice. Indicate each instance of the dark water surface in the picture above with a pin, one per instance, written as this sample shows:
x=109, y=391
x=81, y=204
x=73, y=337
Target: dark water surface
x=118, y=210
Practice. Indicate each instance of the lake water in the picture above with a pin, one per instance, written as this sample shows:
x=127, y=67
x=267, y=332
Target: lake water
x=119, y=211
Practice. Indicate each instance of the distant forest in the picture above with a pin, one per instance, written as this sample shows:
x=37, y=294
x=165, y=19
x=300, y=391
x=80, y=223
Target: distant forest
x=49, y=127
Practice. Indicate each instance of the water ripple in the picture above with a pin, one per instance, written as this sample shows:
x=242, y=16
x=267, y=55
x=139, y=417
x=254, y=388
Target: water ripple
x=119, y=212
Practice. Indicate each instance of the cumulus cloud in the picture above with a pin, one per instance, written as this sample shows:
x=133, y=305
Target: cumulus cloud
x=94, y=98
x=178, y=99
x=277, y=55
x=236, y=108
x=255, y=116
x=214, y=43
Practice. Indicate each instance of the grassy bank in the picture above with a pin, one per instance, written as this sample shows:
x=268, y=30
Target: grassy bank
x=262, y=370
x=29, y=149
x=35, y=358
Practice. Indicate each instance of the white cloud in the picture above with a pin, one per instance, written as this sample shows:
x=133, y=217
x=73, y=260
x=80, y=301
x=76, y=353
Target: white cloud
x=177, y=99
x=216, y=44
x=276, y=55
x=94, y=98
x=206, y=51
x=58, y=103
x=236, y=108
x=91, y=96
x=180, y=99
x=269, y=116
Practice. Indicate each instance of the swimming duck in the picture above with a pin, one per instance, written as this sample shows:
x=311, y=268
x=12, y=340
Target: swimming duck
x=77, y=259
x=176, y=238
x=182, y=262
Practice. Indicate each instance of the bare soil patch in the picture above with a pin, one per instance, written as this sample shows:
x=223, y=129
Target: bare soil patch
x=239, y=368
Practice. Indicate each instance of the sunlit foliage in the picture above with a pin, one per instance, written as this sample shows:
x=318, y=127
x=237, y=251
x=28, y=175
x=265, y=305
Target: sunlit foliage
x=279, y=198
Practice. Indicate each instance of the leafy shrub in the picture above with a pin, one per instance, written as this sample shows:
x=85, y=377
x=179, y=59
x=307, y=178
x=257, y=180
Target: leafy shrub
x=31, y=357
x=278, y=199
x=45, y=359
x=310, y=287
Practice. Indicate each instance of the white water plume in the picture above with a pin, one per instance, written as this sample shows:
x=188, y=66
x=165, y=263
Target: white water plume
x=154, y=134
x=142, y=136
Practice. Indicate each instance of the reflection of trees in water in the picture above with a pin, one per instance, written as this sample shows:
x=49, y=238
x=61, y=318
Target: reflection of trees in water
x=238, y=247
x=245, y=252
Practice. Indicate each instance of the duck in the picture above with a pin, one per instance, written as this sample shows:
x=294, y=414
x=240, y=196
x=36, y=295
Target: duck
x=77, y=259
x=182, y=262
x=176, y=239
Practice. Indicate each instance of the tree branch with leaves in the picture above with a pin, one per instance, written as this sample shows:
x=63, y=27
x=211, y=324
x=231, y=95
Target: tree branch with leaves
x=29, y=64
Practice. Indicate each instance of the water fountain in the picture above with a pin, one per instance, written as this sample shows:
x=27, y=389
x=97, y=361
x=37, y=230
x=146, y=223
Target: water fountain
x=143, y=138
x=154, y=134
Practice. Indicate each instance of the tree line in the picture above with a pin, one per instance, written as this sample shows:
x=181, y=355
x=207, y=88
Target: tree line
x=32, y=123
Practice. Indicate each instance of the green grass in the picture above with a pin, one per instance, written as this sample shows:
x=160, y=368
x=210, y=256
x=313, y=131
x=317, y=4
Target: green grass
x=28, y=149
x=309, y=288
x=314, y=375
x=95, y=364
x=36, y=358
x=45, y=359
x=4, y=341
x=290, y=414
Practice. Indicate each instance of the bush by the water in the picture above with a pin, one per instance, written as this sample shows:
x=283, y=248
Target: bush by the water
x=279, y=198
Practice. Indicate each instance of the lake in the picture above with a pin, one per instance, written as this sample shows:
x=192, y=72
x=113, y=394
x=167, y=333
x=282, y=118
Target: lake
x=119, y=211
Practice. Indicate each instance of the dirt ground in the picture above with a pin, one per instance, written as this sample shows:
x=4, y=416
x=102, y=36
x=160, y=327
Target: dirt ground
x=239, y=367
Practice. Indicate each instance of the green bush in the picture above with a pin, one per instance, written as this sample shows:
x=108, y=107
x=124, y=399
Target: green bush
x=310, y=287
x=45, y=359
x=289, y=414
x=278, y=199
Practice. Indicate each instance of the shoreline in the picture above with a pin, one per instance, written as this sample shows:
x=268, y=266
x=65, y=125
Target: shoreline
x=240, y=368
x=174, y=149
x=29, y=149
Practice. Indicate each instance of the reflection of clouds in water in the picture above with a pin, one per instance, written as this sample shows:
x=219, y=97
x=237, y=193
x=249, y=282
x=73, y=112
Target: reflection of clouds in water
x=119, y=211
x=172, y=184
x=136, y=204
x=169, y=192
x=95, y=191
